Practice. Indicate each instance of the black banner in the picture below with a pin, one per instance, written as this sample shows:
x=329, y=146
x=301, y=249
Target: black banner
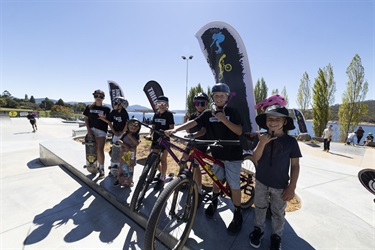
x=114, y=90
x=300, y=121
x=227, y=58
x=153, y=90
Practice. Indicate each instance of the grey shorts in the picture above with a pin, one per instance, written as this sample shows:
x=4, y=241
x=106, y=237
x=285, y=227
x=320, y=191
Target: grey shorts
x=98, y=133
x=231, y=172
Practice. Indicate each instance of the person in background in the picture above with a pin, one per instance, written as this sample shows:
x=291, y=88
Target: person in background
x=277, y=155
x=327, y=136
x=96, y=126
x=163, y=120
x=32, y=121
x=360, y=132
x=369, y=138
x=350, y=138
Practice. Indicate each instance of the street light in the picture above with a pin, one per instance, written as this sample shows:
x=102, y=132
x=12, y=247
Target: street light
x=187, y=78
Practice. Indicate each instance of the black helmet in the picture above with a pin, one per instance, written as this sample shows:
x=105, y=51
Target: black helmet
x=98, y=92
x=200, y=97
x=122, y=101
x=136, y=123
x=220, y=87
x=162, y=99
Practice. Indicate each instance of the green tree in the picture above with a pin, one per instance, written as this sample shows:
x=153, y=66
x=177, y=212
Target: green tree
x=61, y=111
x=285, y=95
x=353, y=107
x=32, y=99
x=304, y=93
x=6, y=93
x=60, y=102
x=260, y=92
x=26, y=98
x=46, y=104
x=275, y=91
x=323, y=91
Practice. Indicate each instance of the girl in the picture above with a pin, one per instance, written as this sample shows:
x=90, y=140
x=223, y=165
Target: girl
x=97, y=127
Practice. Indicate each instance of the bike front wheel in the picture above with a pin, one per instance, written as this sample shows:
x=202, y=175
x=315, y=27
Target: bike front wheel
x=144, y=181
x=173, y=215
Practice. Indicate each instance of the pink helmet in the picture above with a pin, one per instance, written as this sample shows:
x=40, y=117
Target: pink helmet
x=275, y=99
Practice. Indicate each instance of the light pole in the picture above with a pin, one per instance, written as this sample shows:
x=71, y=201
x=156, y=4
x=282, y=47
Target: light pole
x=187, y=78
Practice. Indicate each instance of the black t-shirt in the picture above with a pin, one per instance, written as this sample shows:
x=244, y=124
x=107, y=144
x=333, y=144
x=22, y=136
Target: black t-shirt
x=31, y=117
x=93, y=115
x=118, y=119
x=162, y=121
x=273, y=171
x=215, y=130
x=198, y=127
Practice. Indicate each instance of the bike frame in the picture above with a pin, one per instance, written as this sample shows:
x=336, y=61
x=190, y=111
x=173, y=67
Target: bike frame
x=198, y=156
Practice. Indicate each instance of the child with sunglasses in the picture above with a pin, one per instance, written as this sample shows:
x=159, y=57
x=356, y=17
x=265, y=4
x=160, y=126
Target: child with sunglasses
x=198, y=132
x=96, y=126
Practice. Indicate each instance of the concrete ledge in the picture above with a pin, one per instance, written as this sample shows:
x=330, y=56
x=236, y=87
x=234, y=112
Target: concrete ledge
x=60, y=153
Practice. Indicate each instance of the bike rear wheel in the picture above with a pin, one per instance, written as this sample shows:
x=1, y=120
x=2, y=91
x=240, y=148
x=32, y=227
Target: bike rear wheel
x=144, y=181
x=247, y=183
x=173, y=215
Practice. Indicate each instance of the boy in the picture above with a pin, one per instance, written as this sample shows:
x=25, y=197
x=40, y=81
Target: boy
x=32, y=121
x=223, y=123
x=327, y=136
x=164, y=120
x=276, y=153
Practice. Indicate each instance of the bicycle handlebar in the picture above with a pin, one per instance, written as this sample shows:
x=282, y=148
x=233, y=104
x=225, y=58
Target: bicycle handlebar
x=193, y=141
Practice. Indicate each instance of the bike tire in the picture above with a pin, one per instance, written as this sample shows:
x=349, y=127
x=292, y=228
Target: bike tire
x=172, y=227
x=144, y=181
x=247, y=184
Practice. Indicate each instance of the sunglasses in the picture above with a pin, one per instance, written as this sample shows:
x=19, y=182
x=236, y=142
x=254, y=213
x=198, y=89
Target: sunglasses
x=99, y=96
x=135, y=124
x=200, y=104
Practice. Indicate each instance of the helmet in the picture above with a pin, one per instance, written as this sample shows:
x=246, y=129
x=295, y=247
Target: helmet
x=135, y=122
x=98, y=92
x=369, y=133
x=275, y=99
x=162, y=99
x=200, y=97
x=122, y=101
x=220, y=87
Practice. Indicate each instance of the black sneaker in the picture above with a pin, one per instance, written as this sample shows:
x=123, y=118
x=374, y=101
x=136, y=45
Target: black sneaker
x=159, y=185
x=236, y=224
x=157, y=177
x=116, y=184
x=101, y=173
x=210, y=211
x=255, y=238
x=275, y=242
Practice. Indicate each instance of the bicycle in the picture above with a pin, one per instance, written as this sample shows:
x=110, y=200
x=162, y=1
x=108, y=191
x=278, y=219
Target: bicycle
x=175, y=209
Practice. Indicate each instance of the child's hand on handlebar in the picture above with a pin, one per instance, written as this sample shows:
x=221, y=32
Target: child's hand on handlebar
x=169, y=132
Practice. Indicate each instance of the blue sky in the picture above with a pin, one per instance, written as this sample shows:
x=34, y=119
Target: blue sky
x=67, y=49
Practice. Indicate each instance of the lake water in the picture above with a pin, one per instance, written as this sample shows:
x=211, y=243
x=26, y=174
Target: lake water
x=179, y=119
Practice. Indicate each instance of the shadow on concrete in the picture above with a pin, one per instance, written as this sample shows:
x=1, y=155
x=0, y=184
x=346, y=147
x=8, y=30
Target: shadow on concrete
x=340, y=155
x=36, y=163
x=314, y=145
x=21, y=133
x=87, y=218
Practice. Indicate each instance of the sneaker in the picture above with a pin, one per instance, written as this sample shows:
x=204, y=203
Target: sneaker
x=159, y=185
x=236, y=224
x=275, y=242
x=255, y=238
x=101, y=173
x=116, y=184
x=210, y=211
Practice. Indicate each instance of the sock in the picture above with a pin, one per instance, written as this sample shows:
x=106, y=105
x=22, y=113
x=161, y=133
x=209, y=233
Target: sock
x=101, y=166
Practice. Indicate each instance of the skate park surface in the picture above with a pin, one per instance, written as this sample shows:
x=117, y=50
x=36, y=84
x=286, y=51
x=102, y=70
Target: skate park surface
x=49, y=201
